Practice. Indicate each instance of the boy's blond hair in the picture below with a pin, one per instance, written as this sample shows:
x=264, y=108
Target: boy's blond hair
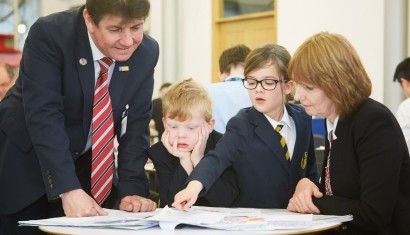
x=184, y=99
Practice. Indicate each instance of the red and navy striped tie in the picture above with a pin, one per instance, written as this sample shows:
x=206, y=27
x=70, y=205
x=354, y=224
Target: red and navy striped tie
x=102, y=166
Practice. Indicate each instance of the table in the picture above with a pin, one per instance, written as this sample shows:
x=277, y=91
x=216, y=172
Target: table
x=187, y=230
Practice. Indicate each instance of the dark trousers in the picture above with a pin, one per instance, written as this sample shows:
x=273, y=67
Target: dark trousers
x=42, y=208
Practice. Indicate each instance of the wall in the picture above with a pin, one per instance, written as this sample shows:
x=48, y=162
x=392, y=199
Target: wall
x=299, y=19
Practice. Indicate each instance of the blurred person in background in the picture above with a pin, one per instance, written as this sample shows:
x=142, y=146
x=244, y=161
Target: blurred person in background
x=7, y=78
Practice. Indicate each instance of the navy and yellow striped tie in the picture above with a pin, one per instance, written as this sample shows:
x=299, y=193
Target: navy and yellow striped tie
x=283, y=142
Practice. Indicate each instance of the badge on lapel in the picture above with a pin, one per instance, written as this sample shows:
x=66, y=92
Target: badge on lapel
x=123, y=68
x=303, y=162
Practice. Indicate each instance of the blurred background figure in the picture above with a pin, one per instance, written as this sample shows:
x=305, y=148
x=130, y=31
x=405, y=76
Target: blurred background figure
x=229, y=95
x=402, y=75
x=157, y=109
x=7, y=78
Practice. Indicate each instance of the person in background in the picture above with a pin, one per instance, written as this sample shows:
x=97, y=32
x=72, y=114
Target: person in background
x=229, y=95
x=402, y=75
x=269, y=145
x=7, y=79
x=59, y=120
x=367, y=171
x=157, y=109
x=188, y=135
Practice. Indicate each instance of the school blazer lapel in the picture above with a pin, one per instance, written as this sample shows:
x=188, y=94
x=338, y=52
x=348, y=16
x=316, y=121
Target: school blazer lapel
x=85, y=68
x=300, y=132
x=265, y=132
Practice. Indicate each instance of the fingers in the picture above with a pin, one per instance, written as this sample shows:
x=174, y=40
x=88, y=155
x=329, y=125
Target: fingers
x=182, y=204
x=137, y=204
x=126, y=206
x=303, y=204
x=99, y=210
x=182, y=200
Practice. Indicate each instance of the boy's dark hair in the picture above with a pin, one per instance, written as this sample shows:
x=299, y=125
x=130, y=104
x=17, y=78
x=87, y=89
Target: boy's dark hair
x=127, y=9
x=233, y=56
x=402, y=70
x=165, y=85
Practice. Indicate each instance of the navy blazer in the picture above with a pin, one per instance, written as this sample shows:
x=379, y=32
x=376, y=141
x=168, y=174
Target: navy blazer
x=172, y=177
x=369, y=173
x=265, y=178
x=45, y=118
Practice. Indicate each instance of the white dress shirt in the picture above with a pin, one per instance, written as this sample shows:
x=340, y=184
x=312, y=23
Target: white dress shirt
x=403, y=117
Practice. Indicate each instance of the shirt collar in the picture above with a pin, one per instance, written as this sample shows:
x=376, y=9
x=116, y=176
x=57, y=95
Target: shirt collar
x=97, y=54
x=235, y=77
x=332, y=127
x=284, y=121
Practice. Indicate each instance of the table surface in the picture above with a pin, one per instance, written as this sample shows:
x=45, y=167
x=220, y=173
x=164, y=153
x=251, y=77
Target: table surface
x=186, y=229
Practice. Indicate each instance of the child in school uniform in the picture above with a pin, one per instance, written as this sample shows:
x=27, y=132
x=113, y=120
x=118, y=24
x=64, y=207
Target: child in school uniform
x=188, y=135
x=268, y=164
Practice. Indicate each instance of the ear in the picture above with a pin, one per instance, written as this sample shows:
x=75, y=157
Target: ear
x=163, y=123
x=222, y=76
x=404, y=82
x=212, y=123
x=289, y=87
x=89, y=23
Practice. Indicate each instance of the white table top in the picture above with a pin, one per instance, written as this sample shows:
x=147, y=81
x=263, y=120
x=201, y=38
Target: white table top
x=185, y=229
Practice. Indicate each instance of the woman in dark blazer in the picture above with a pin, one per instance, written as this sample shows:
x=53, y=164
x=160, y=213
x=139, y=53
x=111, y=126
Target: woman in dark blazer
x=366, y=170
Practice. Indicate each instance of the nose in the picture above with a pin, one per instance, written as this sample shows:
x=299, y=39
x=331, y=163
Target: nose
x=126, y=38
x=181, y=133
x=297, y=93
x=259, y=87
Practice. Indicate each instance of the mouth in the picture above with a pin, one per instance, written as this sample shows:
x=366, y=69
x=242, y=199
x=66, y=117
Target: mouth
x=259, y=100
x=182, y=145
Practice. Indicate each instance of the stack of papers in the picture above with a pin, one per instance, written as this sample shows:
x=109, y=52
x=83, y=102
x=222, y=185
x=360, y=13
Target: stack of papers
x=231, y=219
x=114, y=219
x=244, y=219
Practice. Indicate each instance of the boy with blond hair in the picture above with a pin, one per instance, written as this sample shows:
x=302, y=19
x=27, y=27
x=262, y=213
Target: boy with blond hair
x=188, y=134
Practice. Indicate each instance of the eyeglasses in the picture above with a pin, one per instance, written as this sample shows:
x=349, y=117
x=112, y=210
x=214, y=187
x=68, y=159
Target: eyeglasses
x=267, y=84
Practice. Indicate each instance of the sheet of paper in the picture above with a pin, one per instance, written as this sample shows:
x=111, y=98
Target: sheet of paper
x=231, y=219
x=113, y=219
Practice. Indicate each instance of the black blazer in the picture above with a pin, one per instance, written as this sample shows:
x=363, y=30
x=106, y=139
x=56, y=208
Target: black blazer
x=251, y=147
x=172, y=177
x=45, y=119
x=369, y=173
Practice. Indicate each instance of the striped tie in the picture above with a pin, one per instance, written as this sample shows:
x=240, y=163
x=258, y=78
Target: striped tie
x=102, y=166
x=283, y=142
x=328, y=187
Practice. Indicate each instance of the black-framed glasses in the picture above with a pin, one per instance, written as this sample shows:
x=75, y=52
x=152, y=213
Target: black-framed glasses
x=267, y=84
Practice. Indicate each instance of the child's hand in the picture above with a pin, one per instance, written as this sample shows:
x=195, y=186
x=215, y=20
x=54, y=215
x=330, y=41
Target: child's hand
x=173, y=149
x=199, y=148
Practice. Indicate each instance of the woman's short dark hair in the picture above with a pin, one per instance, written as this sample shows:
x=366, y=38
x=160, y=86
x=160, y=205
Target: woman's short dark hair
x=329, y=62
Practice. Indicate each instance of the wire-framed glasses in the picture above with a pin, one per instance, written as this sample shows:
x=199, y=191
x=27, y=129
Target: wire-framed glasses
x=267, y=84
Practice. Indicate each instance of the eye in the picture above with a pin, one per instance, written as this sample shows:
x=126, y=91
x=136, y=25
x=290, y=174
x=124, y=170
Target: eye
x=309, y=87
x=269, y=82
x=114, y=30
x=172, y=126
x=136, y=28
x=251, y=82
